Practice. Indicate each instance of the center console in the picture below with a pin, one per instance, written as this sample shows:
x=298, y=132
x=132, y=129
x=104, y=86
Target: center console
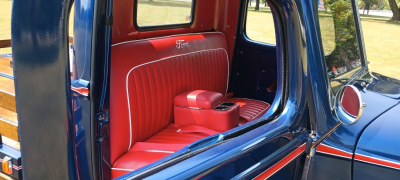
x=205, y=108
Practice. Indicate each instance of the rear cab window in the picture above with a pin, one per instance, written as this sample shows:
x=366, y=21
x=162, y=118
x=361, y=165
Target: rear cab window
x=260, y=24
x=151, y=14
x=339, y=40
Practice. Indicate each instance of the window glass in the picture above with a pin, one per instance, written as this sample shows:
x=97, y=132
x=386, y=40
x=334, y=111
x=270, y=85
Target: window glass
x=163, y=12
x=339, y=40
x=259, y=23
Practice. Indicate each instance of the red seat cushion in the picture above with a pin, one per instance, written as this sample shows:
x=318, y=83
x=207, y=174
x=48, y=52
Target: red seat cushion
x=133, y=159
x=250, y=109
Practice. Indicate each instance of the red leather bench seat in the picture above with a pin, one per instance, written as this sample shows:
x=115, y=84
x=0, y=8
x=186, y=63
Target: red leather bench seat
x=250, y=109
x=146, y=75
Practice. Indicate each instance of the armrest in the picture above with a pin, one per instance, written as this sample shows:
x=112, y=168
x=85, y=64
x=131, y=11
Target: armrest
x=198, y=99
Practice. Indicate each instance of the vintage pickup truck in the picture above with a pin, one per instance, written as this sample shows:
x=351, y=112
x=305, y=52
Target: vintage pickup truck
x=186, y=89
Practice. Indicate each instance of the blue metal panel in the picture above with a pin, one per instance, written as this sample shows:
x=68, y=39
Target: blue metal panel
x=83, y=23
x=83, y=32
x=380, y=142
x=42, y=84
x=345, y=137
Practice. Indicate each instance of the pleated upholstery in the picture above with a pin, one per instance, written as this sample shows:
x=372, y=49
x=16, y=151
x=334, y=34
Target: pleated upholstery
x=250, y=109
x=152, y=72
x=152, y=87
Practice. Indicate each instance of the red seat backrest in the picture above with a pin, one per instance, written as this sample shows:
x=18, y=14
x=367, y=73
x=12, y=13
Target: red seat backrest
x=147, y=74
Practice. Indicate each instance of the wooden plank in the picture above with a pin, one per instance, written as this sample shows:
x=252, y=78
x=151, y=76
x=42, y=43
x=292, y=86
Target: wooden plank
x=5, y=177
x=7, y=94
x=5, y=66
x=5, y=61
x=9, y=124
x=71, y=39
x=5, y=43
x=14, y=144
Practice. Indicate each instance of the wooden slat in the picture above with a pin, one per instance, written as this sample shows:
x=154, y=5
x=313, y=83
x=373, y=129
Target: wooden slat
x=7, y=94
x=14, y=144
x=9, y=124
x=4, y=177
x=5, y=66
x=5, y=43
x=5, y=61
x=71, y=39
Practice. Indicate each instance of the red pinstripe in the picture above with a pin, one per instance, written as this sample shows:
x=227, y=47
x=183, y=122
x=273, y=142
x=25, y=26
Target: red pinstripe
x=333, y=151
x=282, y=163
x=377, y=161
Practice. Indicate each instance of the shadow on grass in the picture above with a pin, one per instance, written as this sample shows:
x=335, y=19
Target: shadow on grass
x=372, y=18
x=261, y=10
x=167, y=3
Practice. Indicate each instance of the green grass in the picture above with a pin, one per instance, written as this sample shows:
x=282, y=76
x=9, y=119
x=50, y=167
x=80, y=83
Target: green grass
x=260, y=25
x=327, y=31
x=382, y=44
x=162, y=12
x=381, y=36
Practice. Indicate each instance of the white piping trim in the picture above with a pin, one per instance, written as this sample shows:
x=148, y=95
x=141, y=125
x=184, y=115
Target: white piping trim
x=139, y=40
x=120, y=169
x=335, y=149
x=377, y=164
x=160, y=151
x=379, y=159
x=127, y=82
x=323, y=152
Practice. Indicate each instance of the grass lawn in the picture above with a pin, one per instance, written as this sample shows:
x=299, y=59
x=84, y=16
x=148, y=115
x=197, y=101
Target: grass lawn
x=164, y=12
x=381, y=36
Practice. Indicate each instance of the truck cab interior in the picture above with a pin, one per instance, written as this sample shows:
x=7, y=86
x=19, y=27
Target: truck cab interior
x=185, y=70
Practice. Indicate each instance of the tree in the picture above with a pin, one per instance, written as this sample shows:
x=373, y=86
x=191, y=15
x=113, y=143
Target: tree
x=395, y=9
x=257, y=5
x=265, y=2
x=368, y=4
x=346, y=45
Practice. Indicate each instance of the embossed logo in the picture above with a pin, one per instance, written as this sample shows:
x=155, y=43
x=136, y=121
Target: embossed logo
x=181, y=44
